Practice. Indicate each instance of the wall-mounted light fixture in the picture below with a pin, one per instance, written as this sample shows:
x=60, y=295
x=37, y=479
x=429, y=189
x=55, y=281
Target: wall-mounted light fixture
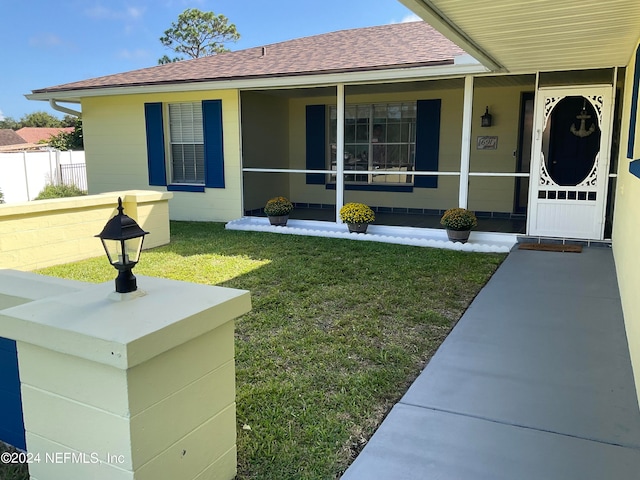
x=486, y=118
x=122, y=239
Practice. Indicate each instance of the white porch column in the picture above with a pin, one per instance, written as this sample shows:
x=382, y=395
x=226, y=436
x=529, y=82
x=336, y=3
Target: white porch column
x=340, y=151
x=465, y=150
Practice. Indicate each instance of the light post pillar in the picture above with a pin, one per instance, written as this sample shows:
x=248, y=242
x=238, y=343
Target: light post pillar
x=129, y=387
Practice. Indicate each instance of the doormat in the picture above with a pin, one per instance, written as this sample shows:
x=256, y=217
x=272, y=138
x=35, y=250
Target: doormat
x=550, y=247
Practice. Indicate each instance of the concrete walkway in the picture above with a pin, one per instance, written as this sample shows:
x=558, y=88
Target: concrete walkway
x=534, y=382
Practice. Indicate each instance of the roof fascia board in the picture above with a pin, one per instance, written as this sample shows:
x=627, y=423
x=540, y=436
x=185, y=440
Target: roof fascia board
x=426, y=10
x=303, y=81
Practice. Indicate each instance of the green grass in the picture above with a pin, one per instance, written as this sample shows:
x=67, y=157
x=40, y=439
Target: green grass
x=11, y=469
x=337, y=332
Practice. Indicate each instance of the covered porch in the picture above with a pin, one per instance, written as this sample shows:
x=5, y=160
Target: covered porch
x=413, y=148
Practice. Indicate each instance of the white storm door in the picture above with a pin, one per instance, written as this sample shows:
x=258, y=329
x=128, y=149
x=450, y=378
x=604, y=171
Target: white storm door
x=570, y=162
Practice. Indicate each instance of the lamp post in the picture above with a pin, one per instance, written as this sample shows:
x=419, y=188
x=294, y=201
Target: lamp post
x=122, y=240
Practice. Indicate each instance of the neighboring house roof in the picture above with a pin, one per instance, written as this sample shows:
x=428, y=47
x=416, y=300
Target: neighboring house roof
x=392, y=46
x=20, y=147
x=10, y=137
x=41, y=134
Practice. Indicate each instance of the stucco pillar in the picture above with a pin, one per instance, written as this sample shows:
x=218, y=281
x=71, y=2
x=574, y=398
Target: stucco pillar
x=129, y=386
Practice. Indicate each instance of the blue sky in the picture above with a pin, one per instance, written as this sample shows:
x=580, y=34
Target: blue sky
x=47, y=43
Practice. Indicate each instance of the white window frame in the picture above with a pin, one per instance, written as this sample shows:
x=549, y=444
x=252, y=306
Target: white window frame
x=384, y=173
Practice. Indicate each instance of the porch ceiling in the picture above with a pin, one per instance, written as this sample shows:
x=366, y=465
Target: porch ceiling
x=538, y=35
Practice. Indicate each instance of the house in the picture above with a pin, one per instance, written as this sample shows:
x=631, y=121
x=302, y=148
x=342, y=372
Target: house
x=41, y=134
x=526, y=113
x=9, y=137
x=28, y=138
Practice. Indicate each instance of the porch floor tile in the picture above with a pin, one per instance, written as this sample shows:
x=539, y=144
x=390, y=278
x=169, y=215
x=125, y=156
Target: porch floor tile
x=534, y=382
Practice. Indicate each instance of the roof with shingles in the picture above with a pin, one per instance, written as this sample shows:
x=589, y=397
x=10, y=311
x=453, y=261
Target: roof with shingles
x=40, y=134
x=10, y=137
x=398, y=45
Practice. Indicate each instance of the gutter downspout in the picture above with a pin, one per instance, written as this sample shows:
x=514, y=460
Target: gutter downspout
x=62, y=109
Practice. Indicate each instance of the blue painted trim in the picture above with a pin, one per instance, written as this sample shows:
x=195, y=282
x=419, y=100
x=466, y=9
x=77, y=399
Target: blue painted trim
x=213, y=143
x=373, y=187
x=634, y=168
x=315, y=132
x=427, y=141
x=11, y=420
x=154, y=126
x=176, y=187
x=634, y=107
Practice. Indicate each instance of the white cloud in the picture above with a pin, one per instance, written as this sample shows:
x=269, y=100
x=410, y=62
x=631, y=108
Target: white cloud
x=104, y=13
x=138, y=53
x=101, y=13
x=135, y=12
x=48, y=40
x=2, y=117
x=410, y=17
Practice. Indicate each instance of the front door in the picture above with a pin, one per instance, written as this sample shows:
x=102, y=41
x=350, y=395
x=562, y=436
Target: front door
x=570, y=162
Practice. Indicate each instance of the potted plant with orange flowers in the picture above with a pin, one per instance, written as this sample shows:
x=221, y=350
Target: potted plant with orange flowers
x=459, y=222
x=357, y=216
x=278, y=210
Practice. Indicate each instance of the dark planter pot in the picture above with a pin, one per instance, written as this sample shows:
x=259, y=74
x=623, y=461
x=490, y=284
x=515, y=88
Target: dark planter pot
x=279, y=220
x=458, y=235
x=357, y=227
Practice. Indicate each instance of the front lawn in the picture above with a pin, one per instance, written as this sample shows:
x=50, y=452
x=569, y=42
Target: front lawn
x=338, y=331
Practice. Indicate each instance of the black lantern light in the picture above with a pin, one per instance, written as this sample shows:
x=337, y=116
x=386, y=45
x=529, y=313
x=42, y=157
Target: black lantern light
x=122, y=239
x=486, y=118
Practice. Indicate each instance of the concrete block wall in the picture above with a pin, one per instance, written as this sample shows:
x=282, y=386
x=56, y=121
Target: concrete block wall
x=50, y=232
x=139, y=386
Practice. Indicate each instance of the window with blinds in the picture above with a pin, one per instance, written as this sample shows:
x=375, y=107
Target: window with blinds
x=187, y=143
x=377, y=137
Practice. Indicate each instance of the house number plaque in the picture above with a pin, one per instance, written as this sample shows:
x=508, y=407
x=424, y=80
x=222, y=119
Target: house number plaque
x=487, y=143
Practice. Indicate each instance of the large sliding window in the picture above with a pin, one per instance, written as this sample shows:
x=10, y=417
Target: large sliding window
x=379, y=137
x=187, y=143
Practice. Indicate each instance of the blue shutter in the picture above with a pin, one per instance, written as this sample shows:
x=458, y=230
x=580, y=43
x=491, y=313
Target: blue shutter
x=427, y=141
x=11, y=423
x=213, y=144
x=316, y=143
x=155, y=144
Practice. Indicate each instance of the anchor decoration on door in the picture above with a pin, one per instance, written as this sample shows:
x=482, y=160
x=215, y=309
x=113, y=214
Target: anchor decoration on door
x=583, y=116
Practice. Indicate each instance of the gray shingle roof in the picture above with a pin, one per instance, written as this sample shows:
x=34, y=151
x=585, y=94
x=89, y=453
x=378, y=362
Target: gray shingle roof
x=389, y=46
x=9, y=137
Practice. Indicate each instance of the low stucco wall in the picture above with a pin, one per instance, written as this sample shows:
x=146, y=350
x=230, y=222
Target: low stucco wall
x=51, y=232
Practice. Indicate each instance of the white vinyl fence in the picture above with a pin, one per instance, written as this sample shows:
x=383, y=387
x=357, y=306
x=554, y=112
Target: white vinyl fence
x=24, y=174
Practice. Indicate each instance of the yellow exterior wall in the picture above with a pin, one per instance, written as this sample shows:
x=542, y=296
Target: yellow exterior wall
x=265, y=133
x=495, y=194
x=51, y=232
x=116, y=152
x=487, y=194
x=626, y=232
x=273, y=133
